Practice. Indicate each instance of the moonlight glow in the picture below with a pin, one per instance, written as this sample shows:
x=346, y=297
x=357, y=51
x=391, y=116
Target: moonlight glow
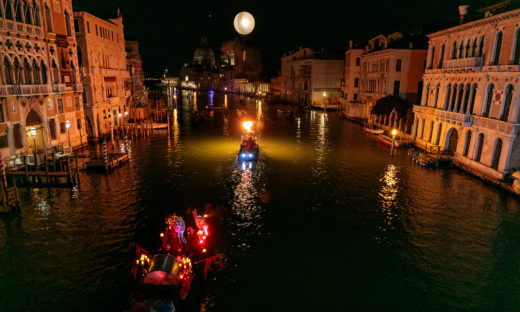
x=244, y=23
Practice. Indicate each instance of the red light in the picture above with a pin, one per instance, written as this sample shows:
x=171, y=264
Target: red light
x=181, y=276
x=201, y=242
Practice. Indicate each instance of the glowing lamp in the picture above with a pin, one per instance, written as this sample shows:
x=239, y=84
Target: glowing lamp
x=394, y=132
x=162, y=234
x=119, y=115
x=244, y=23
x=33, y=131
x=204, y=250
x=67, y=124
x=201, y=242
x=126, y=113
x=247, y=125
x=324, y=94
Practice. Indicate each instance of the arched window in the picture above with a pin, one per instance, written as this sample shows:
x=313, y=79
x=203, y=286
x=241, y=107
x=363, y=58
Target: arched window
x=17, y=72
x=447, y=97
x=432, y=56
x=466, y=99
x=28, y=13
x=44, y=73
x=422, y=129
x=453, y=97
x=8, y=74
x=430, y=135
x=474, y=47
x=467, y=49
x=426, y=94
x=67, y=23
x=498, y=47
x=27, y=72
x=454, y=50
x=439, y=131
x=480, y=144
x=472, y=99
x=516, y=53
x=55, y=73
x=36, y=72
x=48, y=18
x=489, y=99
x=496, y=154
x=441, y=56
x=459, y=98
x=461, y=49
x=9, y=10
x=466, y=144
x=436, y=98
x=37, y=19
x=481, y=46
x=508, y=97
x=19, y=11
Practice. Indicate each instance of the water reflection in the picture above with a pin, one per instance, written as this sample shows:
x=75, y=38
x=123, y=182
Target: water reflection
x=388, y=197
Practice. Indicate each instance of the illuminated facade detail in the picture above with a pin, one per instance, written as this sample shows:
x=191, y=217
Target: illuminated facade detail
x=351, y=102
x=389, y=66
x=135, y=68
x=104, y=72
x=306, y=74
x=39, y=81
x=470, y=102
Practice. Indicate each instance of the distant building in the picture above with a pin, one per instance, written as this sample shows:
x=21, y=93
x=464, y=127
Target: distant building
x=310, y=78
x=135, y=68
x=351, y=102
x=105, y=77
x=470, y=104
x=391, y=66
x=202, y=70
x=39, y=81
x=275, y=87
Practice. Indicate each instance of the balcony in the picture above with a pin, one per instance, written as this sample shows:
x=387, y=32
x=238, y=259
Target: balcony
x=59, y=88
x=9, y=25
x=25, y=90
x=498, y=125
x=469, y=62
x=452, y=117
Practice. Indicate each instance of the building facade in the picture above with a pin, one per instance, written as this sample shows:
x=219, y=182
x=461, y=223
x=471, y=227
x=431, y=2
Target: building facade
x=390, y=65
x=104, y=72
x=40, y=93
x=470, y=103
x=135, y=68
x=351, y=102
x=309, y=78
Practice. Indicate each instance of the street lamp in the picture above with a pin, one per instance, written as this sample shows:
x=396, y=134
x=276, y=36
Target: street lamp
x=32, y=130
x=67, y=126
x=394, y=132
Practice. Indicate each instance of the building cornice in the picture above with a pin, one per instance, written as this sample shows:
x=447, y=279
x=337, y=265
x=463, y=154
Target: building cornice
x=477, y=23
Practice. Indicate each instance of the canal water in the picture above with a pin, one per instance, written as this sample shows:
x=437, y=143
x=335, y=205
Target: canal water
x=325, y=221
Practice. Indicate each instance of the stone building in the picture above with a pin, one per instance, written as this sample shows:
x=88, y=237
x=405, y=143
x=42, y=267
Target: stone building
x=104, y=72
x=136, y=83
x=310, y=78
x=470, y=103
x=391, y=65
x=40, y=91
x=351, y=102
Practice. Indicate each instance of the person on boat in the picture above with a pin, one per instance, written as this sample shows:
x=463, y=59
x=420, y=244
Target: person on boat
x=180, y=227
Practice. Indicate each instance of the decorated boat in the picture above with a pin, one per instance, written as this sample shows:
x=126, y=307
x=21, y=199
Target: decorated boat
x=249, y=147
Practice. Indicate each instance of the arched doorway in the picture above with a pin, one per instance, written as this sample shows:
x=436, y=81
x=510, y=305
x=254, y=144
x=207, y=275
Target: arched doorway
x=34, y=130
x=439, y=132
x=453, y=138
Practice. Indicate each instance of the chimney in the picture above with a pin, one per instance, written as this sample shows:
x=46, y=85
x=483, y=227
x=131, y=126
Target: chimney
x=410, y=45
x=350, y=44
x=366, y=48
x=463, y=10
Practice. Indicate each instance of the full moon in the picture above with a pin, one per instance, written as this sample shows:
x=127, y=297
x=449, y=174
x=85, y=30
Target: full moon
x=244, y=23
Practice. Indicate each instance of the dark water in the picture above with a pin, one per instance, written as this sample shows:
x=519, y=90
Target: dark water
x=327, y=221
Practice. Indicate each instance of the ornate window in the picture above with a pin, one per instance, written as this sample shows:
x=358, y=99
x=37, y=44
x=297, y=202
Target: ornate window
x=508, y=97
x=498, y=47
x=67, y=23
x=44, y=73
x=48, y=18
x=27, y=72
x=489, y=99
x=480, y=144
x=466, y=144
x=516, y=53
x=8, y=74
x=36, y=73
x=496, y=154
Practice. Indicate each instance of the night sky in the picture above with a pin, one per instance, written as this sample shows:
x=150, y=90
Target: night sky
x=169, y=31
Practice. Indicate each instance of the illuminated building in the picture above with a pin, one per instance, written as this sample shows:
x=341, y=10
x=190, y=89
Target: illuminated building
x=470, y=102
x=391, y=65
x=351, y=102
x=39, y=85
x=202, y=70
x=104, y=73
x=306, y=76
x=135, y=68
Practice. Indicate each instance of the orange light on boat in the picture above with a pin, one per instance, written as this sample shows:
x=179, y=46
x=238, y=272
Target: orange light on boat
x=204, y=250
x=162, y=234
x=247, y=125
x=203, y=237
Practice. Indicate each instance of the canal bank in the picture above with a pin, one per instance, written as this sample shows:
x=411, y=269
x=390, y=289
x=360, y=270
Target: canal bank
x=326, y=221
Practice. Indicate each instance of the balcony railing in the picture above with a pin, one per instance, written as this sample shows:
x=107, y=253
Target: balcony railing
x=59, y=88
x=20, y=27
x=7, y=90
x=452, y=116
x=471, y=62
x=498, y=125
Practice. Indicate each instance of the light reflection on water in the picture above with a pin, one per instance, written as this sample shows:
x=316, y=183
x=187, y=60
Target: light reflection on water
x=325, y=221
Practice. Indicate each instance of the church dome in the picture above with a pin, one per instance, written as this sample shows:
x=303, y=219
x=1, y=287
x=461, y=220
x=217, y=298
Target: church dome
x=204, y=55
